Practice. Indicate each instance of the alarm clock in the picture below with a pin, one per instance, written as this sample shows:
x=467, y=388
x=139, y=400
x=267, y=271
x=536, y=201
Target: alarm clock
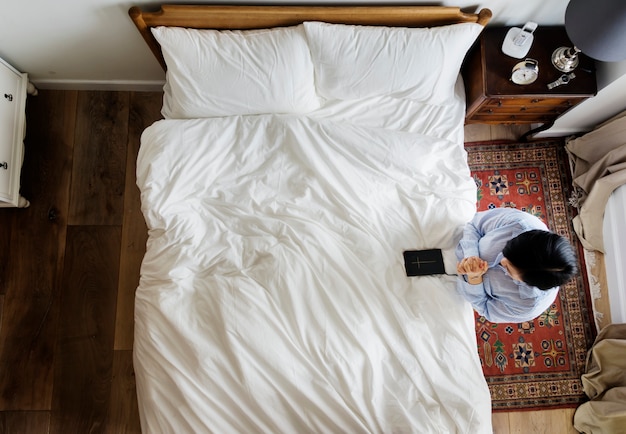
x=525, y=72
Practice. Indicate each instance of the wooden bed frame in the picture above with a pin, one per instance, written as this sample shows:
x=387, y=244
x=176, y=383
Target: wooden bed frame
x=258, y=17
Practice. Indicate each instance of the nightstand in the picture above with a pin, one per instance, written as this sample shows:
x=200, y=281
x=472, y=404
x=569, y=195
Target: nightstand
x=492, y=98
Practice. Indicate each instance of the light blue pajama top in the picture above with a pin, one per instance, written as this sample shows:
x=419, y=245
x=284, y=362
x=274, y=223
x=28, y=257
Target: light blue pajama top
x=499, y=298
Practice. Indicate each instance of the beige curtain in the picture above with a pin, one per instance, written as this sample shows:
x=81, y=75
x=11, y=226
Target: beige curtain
x=604, y=382
x=599, y=167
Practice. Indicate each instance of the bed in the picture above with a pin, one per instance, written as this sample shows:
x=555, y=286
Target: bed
x=302, y=151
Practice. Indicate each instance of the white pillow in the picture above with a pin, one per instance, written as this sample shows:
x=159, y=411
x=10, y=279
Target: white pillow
x=422, y=64
x=222, y=73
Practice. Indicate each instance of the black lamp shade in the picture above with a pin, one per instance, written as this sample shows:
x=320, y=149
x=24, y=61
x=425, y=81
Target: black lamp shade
x=598, y=28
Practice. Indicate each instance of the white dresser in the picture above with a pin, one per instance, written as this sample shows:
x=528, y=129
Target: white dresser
x=13, y=89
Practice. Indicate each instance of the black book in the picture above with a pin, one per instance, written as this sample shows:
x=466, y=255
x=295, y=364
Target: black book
x=423, y=262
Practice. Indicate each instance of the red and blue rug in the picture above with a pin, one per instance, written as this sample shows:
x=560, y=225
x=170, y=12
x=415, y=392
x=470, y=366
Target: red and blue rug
x=536, y=364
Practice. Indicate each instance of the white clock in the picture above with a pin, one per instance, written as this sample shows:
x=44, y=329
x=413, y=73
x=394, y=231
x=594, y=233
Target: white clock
x=525, y=72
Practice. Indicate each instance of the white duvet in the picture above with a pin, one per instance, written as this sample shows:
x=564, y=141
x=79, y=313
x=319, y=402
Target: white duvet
x=273, y=296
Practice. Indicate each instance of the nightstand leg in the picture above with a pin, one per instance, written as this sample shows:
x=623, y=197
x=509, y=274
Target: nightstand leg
x=528, y=134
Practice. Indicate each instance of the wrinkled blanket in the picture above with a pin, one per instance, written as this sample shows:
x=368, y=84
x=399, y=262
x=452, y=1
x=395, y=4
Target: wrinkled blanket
x=604, y=383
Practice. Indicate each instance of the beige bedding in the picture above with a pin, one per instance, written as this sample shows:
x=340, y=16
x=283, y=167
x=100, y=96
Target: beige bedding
x=599, y=164
x=604, y=383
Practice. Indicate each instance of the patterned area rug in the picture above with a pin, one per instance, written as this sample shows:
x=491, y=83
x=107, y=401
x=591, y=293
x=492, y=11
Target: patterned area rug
x=536, y=364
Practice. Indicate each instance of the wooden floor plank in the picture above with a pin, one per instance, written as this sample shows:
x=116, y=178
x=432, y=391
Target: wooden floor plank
x=24, y=422
x=123, y=412
x=144, y=110
x=84, y=359
x=97, y=190
x=32, y=271
x=8, y=217
x=557, y=421
x=500, y=423
x=477, y=132
x=508, y=132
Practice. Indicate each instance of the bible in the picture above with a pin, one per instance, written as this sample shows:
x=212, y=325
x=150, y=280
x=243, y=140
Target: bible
x=423, y=262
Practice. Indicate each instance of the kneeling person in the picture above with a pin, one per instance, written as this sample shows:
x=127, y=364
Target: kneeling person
x=510, y=265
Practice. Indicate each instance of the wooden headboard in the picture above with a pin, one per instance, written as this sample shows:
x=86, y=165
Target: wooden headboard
x=260, y=17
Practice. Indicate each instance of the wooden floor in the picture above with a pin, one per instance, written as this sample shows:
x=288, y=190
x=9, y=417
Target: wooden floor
x=70, y=265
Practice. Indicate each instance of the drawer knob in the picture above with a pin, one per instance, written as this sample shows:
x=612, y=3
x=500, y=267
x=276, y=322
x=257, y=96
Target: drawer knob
x=534, y=101
x=8, y=96
x=4, y=165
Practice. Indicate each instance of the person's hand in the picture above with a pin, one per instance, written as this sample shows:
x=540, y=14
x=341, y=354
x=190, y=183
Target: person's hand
x=474, y=268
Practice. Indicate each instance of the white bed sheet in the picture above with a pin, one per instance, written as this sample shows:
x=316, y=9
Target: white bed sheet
x=273, y=297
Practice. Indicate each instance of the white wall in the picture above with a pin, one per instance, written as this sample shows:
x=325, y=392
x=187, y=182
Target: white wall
x=93, y=44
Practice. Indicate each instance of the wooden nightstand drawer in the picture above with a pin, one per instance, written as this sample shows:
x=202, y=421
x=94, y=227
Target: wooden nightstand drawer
x=530, y=110
x=519, y=110
x=493, y=98
x=523, y=109
x=539, y=103
x=510, y=118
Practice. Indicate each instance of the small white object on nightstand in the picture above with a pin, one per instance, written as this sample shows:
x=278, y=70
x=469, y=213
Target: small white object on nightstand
x=517, y=42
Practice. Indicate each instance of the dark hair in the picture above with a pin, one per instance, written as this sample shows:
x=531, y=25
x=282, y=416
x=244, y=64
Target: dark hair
x=544, y=259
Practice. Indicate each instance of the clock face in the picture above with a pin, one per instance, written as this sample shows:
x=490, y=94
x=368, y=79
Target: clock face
x=524, y=76
x=525, y=73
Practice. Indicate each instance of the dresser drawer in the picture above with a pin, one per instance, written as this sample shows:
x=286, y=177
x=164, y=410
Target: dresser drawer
x=6, y=172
